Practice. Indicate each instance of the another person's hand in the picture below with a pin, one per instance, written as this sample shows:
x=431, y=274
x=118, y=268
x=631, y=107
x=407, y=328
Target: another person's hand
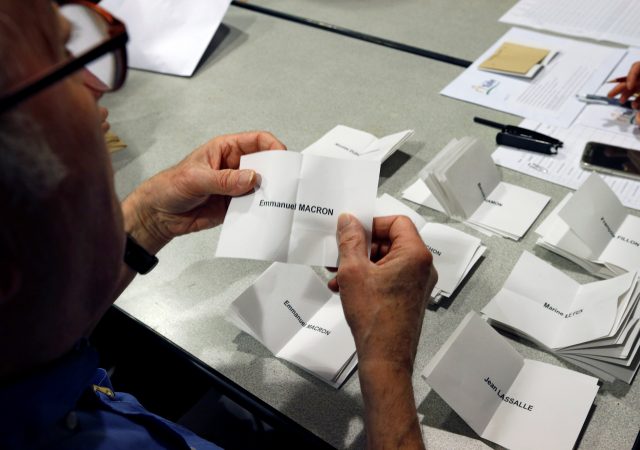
x=629, y=88
x=194, y=194
x=384, y=300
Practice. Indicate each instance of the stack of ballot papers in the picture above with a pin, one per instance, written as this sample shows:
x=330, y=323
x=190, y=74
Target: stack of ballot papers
x=515, y=402
x=591, y=228
x=292, y=312
x=349, y=143
x=292, y=216
x=463, y=182
x=454, y=252
x=594, y=325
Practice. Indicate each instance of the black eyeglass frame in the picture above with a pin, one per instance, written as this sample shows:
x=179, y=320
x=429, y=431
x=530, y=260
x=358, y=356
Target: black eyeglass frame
x=117, y=40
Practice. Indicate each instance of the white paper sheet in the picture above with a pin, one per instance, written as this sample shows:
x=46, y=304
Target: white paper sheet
x=349, y=143
x=293, y=215
x=292, y=312
x=593, y=229
x=454, y=252
x=167, y=36
x=608, y=124
x=613, y=20
x=514, y=402
x=550, y=96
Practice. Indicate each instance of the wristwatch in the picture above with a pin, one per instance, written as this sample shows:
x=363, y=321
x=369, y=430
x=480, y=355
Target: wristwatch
x=137, y=257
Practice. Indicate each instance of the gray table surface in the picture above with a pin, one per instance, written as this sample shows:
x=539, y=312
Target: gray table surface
x=299, y=82
x=463, y=29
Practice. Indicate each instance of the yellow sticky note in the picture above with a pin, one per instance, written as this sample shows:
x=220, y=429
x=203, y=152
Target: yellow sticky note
x=514, y=58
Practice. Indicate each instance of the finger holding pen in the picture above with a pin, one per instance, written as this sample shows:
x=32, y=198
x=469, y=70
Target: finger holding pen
x=627, y=86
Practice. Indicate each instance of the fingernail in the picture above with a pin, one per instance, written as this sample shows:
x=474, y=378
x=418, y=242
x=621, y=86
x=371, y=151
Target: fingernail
x=343, y=220
x=245, y=178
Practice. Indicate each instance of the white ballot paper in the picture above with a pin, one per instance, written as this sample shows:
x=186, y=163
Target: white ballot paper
x=292, y=312
x=463, y=182
x=591, y=228
x=551, y=96
x=515, y=402
x=293, y=215
x=595, y=322
x=167, y=36
x=454, y=252
x=349, y=143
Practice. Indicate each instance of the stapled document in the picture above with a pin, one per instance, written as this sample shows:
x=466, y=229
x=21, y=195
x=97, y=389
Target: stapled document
x=463, y=182
x=292, y=312
x=349, y=143
x=515, y=402
x=592, y=228
x=292, y=215
x=454, y=252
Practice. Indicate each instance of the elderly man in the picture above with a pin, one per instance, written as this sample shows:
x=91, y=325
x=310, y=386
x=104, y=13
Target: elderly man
x=68, y=248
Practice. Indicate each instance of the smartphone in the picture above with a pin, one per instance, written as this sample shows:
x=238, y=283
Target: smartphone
x=611, y=160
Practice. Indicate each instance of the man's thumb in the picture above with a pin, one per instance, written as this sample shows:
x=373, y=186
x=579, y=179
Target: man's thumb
x=351, y=239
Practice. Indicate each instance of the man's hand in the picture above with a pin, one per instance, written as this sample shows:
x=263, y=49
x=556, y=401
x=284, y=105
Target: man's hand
x=194, y=194
x=629, y=88
x=384, y=301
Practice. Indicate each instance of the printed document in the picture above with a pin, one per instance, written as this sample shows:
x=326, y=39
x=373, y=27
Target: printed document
x=167, y=37
x=598, y=123
x=292, y=312
x=454, y=252
x=292, y=216
x=515, y=402
x=551, y=96
x=613, y=20
x=349, y=143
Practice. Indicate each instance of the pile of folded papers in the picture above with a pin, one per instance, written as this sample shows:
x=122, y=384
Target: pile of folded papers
x=454, y=252
x=292, y=312
x=591, y=228
x=463, y=182
x=594, y=326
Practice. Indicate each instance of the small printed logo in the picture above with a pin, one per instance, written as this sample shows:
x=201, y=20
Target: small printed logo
x=486, y=87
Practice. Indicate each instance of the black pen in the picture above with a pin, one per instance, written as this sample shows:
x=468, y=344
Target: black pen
x=523, y=138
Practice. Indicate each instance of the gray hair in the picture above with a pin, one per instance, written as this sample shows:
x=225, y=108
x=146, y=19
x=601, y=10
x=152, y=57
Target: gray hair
x=29, y=169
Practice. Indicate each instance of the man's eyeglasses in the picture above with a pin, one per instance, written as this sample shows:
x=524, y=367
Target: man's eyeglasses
x=97, y=41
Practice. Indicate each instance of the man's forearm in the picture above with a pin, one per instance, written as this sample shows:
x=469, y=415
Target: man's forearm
x=391, y=420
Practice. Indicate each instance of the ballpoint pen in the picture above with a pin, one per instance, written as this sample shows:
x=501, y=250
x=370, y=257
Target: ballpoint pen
x=522, y=138
x=603, y=100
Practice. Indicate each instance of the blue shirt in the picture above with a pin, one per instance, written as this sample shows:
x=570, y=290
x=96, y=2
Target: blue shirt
x=71, y=404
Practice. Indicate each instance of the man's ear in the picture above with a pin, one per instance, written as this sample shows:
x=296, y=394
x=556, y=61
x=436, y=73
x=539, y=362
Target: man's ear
x=10, y=279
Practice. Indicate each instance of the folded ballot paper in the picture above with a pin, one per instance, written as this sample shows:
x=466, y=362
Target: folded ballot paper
x=349, y=143
x=594, y=325
x=454, y=252
x=591, y=228
x=293, y=215
x=515, y=402
x=292, y=312
x=463, y=182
